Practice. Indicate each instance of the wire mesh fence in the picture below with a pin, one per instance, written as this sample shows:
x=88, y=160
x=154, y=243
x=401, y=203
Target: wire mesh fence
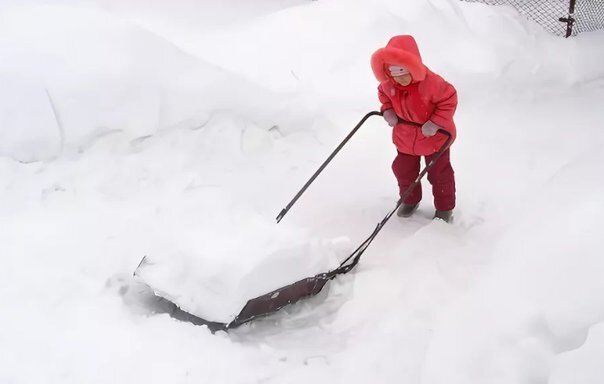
x=589, y=15
x=561, y=17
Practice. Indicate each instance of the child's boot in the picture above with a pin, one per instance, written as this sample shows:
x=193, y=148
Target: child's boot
x=406, y=210
x=446, y=216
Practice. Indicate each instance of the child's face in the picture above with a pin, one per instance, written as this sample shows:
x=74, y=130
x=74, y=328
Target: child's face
x=403, y=80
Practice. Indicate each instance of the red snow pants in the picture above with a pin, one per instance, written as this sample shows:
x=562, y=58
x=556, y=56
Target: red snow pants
x=406, y=169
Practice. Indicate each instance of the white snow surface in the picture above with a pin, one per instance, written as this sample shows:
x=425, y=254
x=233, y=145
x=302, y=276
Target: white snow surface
x=178, y=131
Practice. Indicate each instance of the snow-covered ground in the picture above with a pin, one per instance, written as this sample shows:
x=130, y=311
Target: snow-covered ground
x=178, y=130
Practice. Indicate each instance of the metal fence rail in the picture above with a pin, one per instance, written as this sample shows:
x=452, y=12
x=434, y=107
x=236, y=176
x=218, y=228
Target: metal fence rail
x=561, y=17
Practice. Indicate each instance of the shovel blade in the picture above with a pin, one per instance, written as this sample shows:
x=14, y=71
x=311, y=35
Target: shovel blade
x=279, y=298
x=257, y=307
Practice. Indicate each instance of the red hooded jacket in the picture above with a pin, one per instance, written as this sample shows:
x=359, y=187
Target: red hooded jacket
x=428, y=97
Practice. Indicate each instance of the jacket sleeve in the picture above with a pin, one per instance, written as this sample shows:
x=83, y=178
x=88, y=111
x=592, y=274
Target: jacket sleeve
x=384, y=99
x=445, y=103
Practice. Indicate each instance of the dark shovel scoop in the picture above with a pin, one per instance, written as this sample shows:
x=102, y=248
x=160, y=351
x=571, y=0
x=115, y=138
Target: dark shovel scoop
x=261, y=305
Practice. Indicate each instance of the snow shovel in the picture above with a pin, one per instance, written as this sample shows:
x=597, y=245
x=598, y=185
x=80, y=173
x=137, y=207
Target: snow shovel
x=310, y=286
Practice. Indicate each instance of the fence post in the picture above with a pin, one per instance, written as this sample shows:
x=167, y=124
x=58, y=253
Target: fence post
x=570, y=20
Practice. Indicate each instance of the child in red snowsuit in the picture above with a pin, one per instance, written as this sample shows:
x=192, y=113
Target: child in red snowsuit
x=410, y=91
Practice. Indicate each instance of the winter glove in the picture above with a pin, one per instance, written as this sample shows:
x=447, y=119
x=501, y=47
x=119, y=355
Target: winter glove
x=390, y=117
x=429, y=128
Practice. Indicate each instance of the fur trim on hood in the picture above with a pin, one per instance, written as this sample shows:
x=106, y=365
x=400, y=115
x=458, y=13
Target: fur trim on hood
x=402, y=51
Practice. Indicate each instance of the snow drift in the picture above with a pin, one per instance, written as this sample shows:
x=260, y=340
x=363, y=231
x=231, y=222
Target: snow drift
x=78, y=73
x=130, y=131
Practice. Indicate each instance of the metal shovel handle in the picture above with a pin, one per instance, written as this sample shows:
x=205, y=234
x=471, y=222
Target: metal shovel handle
x=356, y=255
x=322, y=167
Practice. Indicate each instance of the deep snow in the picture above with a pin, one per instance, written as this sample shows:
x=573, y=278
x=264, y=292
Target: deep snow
x=138, y=128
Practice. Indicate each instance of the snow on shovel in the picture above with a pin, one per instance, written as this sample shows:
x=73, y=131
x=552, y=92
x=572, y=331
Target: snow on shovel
x=310, y=286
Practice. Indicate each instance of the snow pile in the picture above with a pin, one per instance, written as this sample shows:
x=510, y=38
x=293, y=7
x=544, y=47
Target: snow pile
x=541, y=293
x=103, y=76
x=216, y=286
x=583, y=365
x=30, y=129
x=182, y=140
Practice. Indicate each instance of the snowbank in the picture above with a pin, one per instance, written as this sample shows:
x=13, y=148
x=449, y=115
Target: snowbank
x=104, y=76
x=584, y=364
x=30, y=128
x=541, y=293
x=163, y=144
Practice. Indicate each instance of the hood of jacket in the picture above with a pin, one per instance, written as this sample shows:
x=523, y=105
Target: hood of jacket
x=402, y=51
